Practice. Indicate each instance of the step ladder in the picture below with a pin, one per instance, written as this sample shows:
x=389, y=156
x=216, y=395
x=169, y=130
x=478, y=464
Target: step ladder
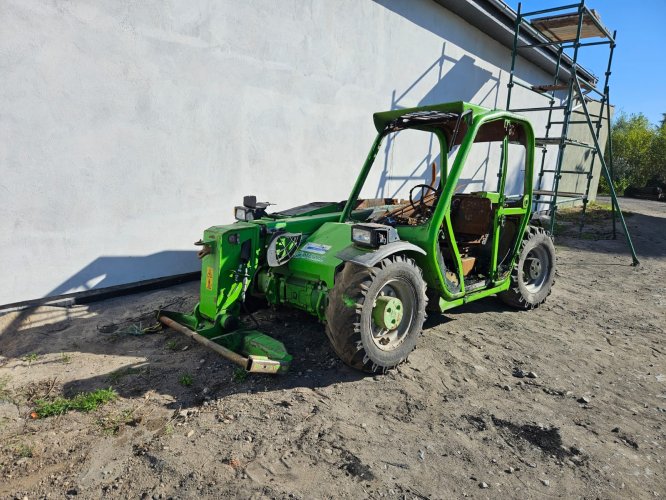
x=569, y=94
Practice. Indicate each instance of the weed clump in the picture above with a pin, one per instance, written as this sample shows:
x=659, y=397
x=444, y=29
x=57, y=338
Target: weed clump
x=30, y=358
x=85, y=402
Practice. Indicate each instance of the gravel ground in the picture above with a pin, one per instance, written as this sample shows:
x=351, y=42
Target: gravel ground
x=586, y=419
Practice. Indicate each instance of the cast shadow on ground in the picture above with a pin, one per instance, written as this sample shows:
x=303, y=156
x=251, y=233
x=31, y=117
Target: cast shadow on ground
x=165, y=363
x=650, y=241
x=168, y=365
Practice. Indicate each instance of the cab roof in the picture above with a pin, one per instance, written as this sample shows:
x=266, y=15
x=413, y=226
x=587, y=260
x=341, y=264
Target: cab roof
x=431, y=114
x=451, y=118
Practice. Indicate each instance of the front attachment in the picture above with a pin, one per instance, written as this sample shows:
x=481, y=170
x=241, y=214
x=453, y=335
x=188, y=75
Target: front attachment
x=252, y=350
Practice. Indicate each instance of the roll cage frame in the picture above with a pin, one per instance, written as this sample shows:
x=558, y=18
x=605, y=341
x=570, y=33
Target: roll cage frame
x=458, y=124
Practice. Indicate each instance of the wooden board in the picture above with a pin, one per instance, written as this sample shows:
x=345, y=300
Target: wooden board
x=563, y=27
x=558, y=86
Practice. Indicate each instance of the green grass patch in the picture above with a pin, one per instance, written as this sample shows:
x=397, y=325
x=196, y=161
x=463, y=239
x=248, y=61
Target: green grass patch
x=172, y=345
x=65, y=359
x=30, y=358
x=239, y=375
x=186, y=380
x=85, y=402
x=23, y=451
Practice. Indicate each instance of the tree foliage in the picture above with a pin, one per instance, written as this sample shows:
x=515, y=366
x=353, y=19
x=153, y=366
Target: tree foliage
x=639, y=152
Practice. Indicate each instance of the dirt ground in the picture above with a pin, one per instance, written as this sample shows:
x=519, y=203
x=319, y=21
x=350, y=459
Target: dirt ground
x=453, y=422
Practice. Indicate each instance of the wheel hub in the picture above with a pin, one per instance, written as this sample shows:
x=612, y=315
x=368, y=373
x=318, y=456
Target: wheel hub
x=535, y=269
x=387, y=312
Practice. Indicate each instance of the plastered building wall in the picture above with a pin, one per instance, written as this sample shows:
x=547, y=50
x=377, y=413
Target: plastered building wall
x=126, y=128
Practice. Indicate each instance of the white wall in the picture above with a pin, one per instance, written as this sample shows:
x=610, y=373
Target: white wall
x=126, y=128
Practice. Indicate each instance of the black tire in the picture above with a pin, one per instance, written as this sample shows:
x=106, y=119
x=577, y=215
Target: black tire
x=533, y=276
x=354, y=335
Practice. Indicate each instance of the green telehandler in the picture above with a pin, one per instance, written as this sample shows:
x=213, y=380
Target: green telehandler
x=370, y=268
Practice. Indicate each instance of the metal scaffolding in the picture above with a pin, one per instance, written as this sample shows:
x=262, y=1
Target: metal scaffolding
x=556, y=33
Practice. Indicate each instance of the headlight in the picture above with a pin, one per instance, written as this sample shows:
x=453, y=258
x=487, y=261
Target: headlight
x=362, y=236
x=373, y=235
x=243, y=213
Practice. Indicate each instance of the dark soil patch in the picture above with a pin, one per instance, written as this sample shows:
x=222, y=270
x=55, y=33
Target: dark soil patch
x=547, y=440
x=477, y=422
x=353, y=466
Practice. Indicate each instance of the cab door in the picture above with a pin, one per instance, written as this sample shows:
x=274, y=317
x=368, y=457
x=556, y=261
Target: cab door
x=488, y=208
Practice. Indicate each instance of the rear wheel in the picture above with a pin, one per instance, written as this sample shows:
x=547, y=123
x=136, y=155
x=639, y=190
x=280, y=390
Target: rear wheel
x=375, y=315
x=534, y=274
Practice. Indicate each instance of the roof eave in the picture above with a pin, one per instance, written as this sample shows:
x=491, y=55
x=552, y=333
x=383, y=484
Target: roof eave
x=497, y=19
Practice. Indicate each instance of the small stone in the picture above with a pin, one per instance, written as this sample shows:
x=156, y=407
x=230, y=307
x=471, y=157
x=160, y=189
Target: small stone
x=328, y=451
x=421, y=455
x=185, y=348
x=483, y=485
x=190, y=434
x=517, y=372
x=531, y=375
x=506, y=387
x=509, y=470
x=584, y=400
x=545, y=482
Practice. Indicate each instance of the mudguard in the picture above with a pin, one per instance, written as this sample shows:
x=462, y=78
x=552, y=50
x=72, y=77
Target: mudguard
x=369, y=259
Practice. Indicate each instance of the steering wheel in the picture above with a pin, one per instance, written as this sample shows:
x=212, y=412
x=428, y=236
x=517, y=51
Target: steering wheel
x=420, y=205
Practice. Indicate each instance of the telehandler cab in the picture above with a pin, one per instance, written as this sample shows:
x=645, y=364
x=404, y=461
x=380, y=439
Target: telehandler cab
x=370, y=267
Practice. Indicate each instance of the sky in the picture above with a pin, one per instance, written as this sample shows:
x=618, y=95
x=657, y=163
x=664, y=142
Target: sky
x=638, y=79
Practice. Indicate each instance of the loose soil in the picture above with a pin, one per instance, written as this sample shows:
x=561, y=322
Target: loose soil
x=568, y=400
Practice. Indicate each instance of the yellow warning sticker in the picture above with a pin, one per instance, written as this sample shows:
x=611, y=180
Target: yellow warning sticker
x=209, y=278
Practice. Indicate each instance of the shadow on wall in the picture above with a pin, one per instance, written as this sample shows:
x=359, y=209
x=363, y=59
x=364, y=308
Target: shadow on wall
x=104, y=272
x=461, y=82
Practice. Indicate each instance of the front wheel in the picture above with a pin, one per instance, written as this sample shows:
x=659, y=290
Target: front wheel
x=533, y=276
x=375, y=315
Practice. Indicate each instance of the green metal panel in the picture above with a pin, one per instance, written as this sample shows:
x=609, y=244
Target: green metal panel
x=221, y=285
x=317, y=257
